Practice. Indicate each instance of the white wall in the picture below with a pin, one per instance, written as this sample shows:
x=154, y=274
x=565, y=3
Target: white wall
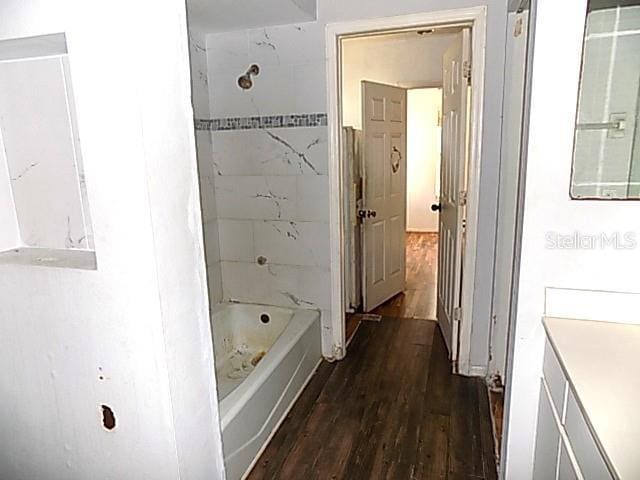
x=547, y=211
x=140, y=321
x=293, y=80
x=424, y=107
x=406, y=60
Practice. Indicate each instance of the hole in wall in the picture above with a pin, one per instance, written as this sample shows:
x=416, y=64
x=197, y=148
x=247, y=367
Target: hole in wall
x=265, y=318
x=108, y=418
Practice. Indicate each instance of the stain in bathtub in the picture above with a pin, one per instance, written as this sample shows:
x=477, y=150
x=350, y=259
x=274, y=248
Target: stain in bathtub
x=257, y=357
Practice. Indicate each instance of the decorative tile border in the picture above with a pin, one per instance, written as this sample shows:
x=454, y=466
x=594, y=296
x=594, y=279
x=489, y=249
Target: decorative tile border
x=271, y=121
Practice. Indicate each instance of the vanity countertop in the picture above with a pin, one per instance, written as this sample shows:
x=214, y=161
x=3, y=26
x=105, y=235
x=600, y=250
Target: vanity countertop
x=602, y=363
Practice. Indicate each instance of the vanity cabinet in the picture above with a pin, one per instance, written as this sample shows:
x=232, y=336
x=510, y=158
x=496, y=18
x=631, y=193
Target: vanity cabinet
x=566, y=449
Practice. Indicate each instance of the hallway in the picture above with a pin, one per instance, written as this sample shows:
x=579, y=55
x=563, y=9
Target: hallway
x=391, y=409
x=419, y=297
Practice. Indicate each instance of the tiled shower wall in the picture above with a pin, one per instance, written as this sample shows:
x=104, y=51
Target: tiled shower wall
x=271, y=181
x=204, y=146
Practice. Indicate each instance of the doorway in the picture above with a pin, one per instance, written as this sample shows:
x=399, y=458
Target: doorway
x=377, y=248
x=384, y=200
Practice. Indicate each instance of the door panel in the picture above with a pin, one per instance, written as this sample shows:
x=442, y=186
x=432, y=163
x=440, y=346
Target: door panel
x=377, y=109
x=453, y=186
x=377, y=240
x=397, y=258
x=376, y=173
x=384, y=186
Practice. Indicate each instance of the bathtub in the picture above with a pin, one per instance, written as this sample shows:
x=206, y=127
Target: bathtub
x=264, y=358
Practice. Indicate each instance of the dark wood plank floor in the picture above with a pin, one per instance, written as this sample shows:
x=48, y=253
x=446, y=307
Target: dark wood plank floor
x=353, y=322
x=390, y=410
x=419, y=297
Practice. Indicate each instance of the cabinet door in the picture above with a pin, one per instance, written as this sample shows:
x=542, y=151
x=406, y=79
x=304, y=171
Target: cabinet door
x=588, y=455
x=555, y=379
x=566, y=471
x=547, y=440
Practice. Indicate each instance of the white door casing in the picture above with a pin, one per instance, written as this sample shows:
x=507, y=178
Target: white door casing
x=476, y=18
x=455, y=69
x=384, y=113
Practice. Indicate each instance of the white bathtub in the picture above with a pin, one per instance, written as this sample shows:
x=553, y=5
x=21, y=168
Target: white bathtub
x=261, y=369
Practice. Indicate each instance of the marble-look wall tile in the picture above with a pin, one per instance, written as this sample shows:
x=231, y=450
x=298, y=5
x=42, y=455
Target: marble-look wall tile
x=229, y=51
x=253, y=283
x=214, y=277
x=206, y=171
x=287, y=44
x=211, y=249
x=311, y=77
x=199, y=75
x=254, y=197
x=280, y=285
x=312, y=194
x=206, y=175
x=314, y=285
x=292, y=64
x=271, y=184
x=236, y=240
x=42, y=154
x=284, y=151
x=292, y=243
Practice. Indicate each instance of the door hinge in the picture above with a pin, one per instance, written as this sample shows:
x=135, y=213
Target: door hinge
x=462, y=198
x=466, y=71
x=457, y=314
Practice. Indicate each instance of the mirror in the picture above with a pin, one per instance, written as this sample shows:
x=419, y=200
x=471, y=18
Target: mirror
x=606, y=157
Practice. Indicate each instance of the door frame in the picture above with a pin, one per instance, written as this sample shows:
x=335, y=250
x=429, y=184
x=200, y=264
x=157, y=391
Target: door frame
x=475, y=18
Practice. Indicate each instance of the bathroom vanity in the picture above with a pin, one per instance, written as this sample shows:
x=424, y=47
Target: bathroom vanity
x=589, y=420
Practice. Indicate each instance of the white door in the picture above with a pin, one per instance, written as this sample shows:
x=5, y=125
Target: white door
x=384, y=125
x=456, y=63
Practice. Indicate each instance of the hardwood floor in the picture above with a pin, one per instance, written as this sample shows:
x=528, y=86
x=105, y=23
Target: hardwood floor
x=419, y=298
x=353, y=322
x=390, y=410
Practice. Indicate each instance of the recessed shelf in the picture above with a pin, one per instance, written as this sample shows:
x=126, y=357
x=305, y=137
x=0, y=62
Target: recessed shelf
x=43, y=199
x=49, y=257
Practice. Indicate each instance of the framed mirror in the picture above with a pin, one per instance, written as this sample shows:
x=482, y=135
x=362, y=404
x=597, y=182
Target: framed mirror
x=606, y=154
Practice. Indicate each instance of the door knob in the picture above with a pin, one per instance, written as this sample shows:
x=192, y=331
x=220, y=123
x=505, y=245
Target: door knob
x=435, y=207
x=367, y=213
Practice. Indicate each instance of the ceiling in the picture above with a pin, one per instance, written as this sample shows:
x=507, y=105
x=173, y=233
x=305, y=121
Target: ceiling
x=211, y=16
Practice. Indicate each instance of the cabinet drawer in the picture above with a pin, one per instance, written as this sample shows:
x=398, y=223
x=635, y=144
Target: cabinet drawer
x=547, y=440
x=556, y=381
x=587, y=454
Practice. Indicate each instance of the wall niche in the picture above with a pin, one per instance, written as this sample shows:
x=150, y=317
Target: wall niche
x=44, y=212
